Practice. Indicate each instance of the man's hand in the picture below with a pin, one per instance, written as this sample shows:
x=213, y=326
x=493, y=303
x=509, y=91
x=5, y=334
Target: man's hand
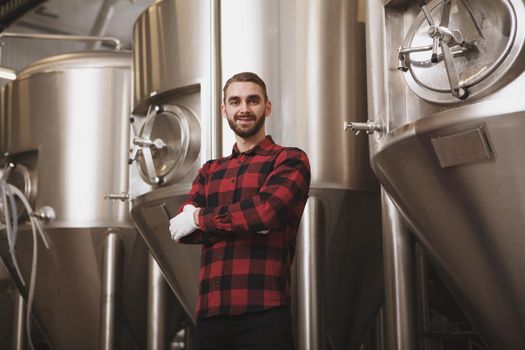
x=183, y=224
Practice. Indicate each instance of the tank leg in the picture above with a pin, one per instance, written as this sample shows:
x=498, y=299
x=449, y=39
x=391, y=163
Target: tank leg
x=111, y=289
x=309, y=263
x=399, y=279
x=157, y=289
x=19, y=330
x=422, y=297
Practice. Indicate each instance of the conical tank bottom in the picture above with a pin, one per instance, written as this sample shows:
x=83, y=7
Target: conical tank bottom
x=461, y=187
x=69, y=289
x=179, y=263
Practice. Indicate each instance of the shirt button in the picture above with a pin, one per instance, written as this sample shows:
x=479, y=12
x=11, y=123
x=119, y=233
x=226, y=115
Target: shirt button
x=217, y=281
x=233, y=181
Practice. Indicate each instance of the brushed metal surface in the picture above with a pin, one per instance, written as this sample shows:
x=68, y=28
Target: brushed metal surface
x=171, y=42
x=490, y=25
x=351, y=266
x=111, y=292
x=323, y=84
x=158, y=337
x=400, y=310
x=74, y=110
x=179, y=263
x=69, y=286
x=469, y=217
x=68, y=121
x=309, y=264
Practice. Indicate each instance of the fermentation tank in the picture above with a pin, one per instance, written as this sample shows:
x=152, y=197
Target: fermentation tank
x=67, y=127
x=446, y=111
x=311, y=56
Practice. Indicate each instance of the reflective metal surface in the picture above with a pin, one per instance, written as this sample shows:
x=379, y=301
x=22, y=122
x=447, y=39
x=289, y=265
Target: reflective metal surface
x=179, y=263
x=73, y=109
x=171, y=39
x=173, y=72
x=68, y=122
x=111, y=292
x=309, y=267
x=157, y=307
x=175, y=133
x=323, y=75
x=346, y=252
x=398, y=253
x=454, y=172
x=488, y=29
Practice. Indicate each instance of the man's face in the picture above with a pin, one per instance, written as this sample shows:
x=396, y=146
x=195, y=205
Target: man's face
x=246, y=109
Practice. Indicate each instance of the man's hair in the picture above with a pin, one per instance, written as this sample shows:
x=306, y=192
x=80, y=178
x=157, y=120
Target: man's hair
x=245, y=77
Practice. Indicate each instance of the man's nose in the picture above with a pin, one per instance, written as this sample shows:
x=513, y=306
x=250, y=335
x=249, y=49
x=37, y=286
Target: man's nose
x=244, y=106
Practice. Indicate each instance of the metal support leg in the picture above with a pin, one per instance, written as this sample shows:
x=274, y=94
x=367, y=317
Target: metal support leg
x=157, y=307
x=19, y=330
x=309, y=261
x=399, y=280
x=422, y=297
x=111, y=292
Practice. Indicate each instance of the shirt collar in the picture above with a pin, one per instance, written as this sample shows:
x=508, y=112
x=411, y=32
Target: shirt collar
x=263, y=148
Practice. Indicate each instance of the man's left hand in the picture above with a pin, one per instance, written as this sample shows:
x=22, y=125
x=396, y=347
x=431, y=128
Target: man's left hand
x=183, y=224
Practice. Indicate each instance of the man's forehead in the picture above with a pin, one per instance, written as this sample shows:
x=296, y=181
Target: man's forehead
x=244, y=89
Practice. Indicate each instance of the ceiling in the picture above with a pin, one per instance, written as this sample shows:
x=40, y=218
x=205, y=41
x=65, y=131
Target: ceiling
x=79, y=17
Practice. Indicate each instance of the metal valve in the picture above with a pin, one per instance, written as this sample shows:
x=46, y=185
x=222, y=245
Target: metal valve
x=369, y=127
x=44, y=214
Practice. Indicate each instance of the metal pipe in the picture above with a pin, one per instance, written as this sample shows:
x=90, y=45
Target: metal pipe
x=422, y=297
x=116, y=42
x=101, y=23
x=399, y=285
x=157, y=297
x=19, y=339
x=111, y=289
x=216, y=79
x=309, y=261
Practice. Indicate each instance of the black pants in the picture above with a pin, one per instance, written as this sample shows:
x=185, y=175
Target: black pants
x=268, y=329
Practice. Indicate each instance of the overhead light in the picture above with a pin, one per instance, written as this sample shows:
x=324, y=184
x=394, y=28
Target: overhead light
x=7, y=73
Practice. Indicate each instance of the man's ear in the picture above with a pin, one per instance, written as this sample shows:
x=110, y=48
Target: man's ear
x=268, y=110
x=223, y=110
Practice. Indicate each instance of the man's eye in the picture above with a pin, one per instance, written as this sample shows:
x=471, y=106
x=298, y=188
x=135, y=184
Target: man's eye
x=253, y=101
x=234, y=103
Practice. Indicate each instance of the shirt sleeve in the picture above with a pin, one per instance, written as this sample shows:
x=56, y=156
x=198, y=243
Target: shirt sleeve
x=285, y=187
x=197, y=197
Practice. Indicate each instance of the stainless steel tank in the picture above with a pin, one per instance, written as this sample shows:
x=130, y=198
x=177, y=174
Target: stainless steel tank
x=172, y=105
x=67, y=127
x=322, y=75
x=309, y=54
x=446, y=82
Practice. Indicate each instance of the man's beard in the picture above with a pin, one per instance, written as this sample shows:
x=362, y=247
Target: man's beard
x=246, y=132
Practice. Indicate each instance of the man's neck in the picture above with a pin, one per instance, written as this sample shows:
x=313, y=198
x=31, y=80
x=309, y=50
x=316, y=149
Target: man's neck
x=245, y=144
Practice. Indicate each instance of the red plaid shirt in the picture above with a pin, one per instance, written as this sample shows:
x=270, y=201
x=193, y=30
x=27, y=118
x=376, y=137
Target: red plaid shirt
x=251, y=205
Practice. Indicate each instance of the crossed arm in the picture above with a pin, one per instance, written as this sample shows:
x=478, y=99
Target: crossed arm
x=285, y=187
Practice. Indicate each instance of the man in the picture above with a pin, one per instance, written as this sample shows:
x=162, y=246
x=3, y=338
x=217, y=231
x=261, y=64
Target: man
x=245, y=210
